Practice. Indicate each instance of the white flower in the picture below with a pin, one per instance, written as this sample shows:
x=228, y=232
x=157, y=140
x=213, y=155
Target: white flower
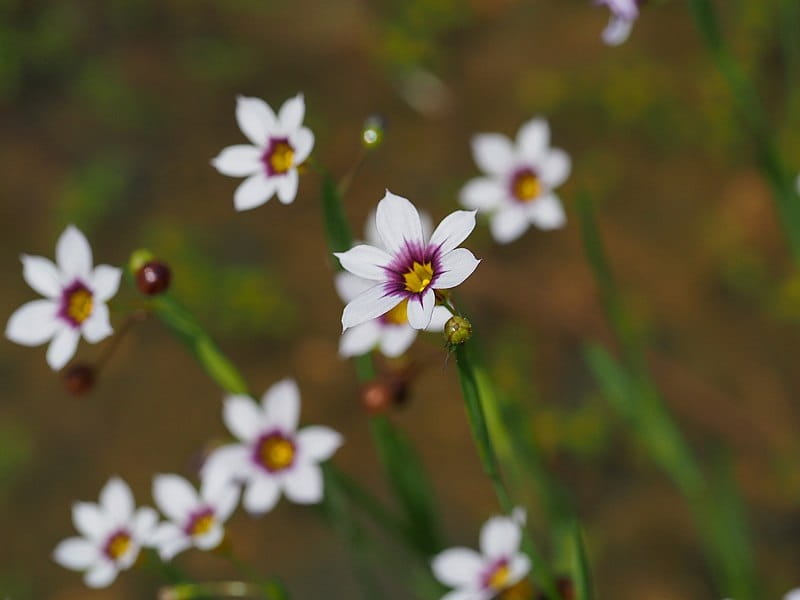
x=518, y=187
x=280, y=144
x=482, y=575
x=623, y=15
x=113, y=532
x=272, y=456
x=409, y=266
x=195, y=519
x=792, y=595
x=74, y=304
x=390, y=332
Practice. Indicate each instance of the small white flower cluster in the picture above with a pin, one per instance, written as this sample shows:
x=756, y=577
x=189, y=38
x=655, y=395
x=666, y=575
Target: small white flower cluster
x=272, y=457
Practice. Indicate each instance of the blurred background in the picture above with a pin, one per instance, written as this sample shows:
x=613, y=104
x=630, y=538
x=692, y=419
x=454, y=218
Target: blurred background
x=111, y=112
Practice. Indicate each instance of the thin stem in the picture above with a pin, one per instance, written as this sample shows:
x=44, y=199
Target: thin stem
x=110, y=349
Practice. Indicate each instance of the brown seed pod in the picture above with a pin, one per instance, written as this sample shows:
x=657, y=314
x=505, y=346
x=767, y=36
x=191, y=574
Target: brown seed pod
x=153, y=277
x=79, y=379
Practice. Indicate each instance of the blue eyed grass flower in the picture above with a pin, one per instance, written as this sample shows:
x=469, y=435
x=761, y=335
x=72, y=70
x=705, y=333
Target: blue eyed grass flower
x=74, y=305
x=272, y=456
x=517, y=189
x=195, y=519
x=112, y=533
x=280, y=144
x=409, y=266
x=483, y=575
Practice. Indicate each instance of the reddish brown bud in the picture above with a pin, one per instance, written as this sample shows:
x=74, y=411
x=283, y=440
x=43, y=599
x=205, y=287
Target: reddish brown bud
x=153, y=277
x=564, y=587
x=79, y=379
x=376, y=397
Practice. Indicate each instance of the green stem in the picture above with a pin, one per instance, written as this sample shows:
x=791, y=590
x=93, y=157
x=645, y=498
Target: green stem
x=272, y=587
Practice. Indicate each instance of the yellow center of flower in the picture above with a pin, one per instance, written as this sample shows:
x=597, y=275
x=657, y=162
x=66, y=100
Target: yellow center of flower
x=79, y=305
x=499, y=577
x=281, y=158
x=118, y=545
x=419, y=277
x=527, y=187
x=202, y=524
x=398, y=315
x=277, y=453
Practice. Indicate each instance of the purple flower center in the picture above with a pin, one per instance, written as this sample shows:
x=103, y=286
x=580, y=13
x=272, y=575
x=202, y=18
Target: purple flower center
x=77, y=303
x=413, y=270
x=274, y=452
x=496, y=577
x=117, y=545
x=200, y=522
x=525, y=185
x=278, y=158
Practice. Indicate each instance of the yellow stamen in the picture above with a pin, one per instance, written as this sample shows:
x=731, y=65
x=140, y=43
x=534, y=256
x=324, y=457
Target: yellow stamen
x=277, y=453
x=281, y=158
x=527, y=187
x=80, y=305
x=398, y=315
x=499, y=577
x=203, y=524
x=419, y=277
x=118, y=545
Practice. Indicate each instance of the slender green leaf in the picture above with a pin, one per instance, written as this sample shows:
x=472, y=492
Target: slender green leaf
x=580, y=569
x=337, y=229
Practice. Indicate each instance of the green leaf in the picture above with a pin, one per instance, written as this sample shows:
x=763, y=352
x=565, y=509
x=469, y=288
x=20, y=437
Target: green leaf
x=337, y=229
x=580, y=569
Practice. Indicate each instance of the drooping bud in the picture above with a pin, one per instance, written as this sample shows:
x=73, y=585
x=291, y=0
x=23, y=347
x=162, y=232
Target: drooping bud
x=153, y=277
x=383, y=394
x=372, y=133
x=457, y=330
x=79, y=379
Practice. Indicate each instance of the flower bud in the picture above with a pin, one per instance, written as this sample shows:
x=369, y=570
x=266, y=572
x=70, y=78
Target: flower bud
x=457, y=330
x=381, y=395
x=564, y=587
x=79, y=379
x=372, y=133
x=153, y=278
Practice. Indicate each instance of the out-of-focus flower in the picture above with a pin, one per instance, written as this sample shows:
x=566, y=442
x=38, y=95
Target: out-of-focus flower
x=483, y=575
x=74, y=304
x=390, y=332
x=517, y=190
x=280, y=145
x=793, y=595
x=408, y=266
x=273, y=457
x=194, y=519
x=112, y=531
x=623, y=15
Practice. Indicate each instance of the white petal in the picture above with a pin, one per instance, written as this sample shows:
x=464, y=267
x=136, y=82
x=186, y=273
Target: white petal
x=420, y=309
x=287, y=186
x=360, y=339
x=398, y=223
x=617, y=31
x=303, y=484
x=222, y=500
x=533, y=139
x=470, y=594
x=555, y=168
x=166, y=533
x=238, y=161
x=500, y=538
x=104, y=282
x=793, y=595
x=33, y=323
x=101, y=575
x=456, y=266
x=73, y=255
x=175, y=497
x=508, y=224
x=255, y=119
x=493, y=153
x=291, y=113
x=458, y=567
x=117, y=500
x=242, y=417
x=261, y=495
x=482, y=193
x=90, y=521
x=348, y=286
x=62, y=348
x=225, y=465
x=76, y=553
x=519, y=567
x=440, y=316
x=170, y=548
x=42, y=275
x=98, y=325
x=396, y=339
x=281, y=404
x=371, y=304
x=547, y=213
x=453, y=230
x=365, y=261
x=302, y=141
x=144, y=524
x=318, y=443
x=211, y=539
x=253, y=191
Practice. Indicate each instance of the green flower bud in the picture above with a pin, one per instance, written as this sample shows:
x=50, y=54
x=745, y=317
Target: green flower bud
x=139, y=258
x=457, y=330
x=372, y=133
